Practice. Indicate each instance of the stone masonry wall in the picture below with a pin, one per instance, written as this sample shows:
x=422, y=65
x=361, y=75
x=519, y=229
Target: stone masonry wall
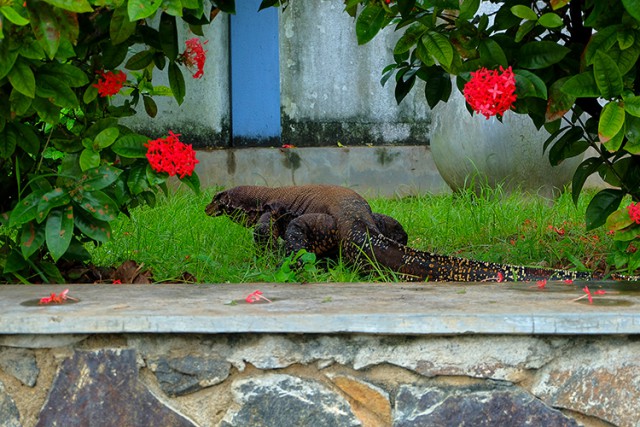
x=318, y=380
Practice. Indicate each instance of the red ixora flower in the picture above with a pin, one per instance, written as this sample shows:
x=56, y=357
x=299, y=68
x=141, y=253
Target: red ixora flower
x=634, y=212
x=57, y=299
x=194, y=56
x=110, y=83
x=491, y=92
x=171, y=156
x=255, y=297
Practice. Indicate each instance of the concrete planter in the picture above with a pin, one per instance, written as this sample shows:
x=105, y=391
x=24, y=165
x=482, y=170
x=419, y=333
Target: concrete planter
x=470, y=151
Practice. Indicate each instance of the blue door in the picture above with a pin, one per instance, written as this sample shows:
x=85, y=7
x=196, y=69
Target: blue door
x=255, y=76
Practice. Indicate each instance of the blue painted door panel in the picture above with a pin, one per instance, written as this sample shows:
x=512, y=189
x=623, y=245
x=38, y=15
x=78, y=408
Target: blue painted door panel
x=255, y=75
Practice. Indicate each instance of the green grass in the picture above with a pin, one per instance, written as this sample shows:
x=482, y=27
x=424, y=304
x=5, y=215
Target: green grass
x=176, y=237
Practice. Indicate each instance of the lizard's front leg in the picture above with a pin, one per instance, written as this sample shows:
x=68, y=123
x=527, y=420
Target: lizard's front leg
x=269, y=227
x=316, y=233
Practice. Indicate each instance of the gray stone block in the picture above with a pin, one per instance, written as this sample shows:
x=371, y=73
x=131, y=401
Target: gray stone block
x=179, y=376
x=9, y=415
x=101, y=388
x=283, y=400
x=21, y=363
x=484, y=404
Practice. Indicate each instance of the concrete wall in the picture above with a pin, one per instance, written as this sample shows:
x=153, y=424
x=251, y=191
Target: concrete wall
x=331, y=90
x=330, y=87
x=203, y=119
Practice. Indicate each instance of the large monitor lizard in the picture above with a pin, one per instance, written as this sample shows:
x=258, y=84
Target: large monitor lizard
x=326, y=219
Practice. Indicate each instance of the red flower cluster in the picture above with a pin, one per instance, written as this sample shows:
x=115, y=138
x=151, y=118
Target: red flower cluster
x=110, y=83
x=634, y=212
x=171, y=156
x=57, y=298
x=195, y=56
x=491, y=92
x=255, y=297
x=589, y=295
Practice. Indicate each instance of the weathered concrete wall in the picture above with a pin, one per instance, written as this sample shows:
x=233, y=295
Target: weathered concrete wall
x=331, y=380
x=203, y=119
x=372, y=171
x=331, y=90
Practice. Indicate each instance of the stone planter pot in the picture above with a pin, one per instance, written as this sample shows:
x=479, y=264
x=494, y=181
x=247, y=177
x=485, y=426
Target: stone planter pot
x=471, y=151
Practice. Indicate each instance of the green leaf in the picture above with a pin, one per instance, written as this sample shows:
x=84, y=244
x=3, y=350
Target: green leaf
x=93, y=228
x=176, y=82
x=89, y=159
x=31, y=238
x=137, y=180
x=601, y=206
x=70, y=74
x=45, y=25
x=98, y=204
x=468, y=9
x=569, y=145
x=369, y=22
x=492, y=54
x=632, y=105
x=57, y=91
x=169, y=36
x=524, y=12
x=140, y=60
x=633, y=8
x=615, y=142
x=601, y=41
x=193, y=182
x=7, y=59
x=439, y=47
x=51, y=199
x=22, y=79
x=46, y=110
x=106, y=137
x=120, y=27
x=59, y=231
x=90, y=94
x=611, y=121
x=437, y=88
x=540, y=54
x=8, y=142
x=529, y=85
x=607, y=75
x=131, y=146
x=409, y=39
x=550, y=20
x=626, y=38
x=72, y=5
x=584, y=171
x=98, y=178
x=13, y=16
x=523, y=30
x=150, y=106
x=619, y=220
x=140, y=9
x=581, y=85
x=14, y=262
x=26, y=209
x=559, y=102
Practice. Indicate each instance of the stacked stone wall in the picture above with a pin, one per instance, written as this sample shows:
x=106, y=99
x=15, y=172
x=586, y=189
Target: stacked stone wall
x=318, y=380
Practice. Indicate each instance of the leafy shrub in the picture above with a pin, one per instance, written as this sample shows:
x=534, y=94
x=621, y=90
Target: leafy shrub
x=69, y=167
x=575, y=65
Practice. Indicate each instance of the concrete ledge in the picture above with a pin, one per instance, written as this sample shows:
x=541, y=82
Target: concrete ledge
x=408, y=309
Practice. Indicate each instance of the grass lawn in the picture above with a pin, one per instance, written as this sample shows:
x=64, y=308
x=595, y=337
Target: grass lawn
x=176, y=237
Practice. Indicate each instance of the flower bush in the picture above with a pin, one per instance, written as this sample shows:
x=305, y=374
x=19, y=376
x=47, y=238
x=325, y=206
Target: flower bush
x=69, y=166
x=575, y=64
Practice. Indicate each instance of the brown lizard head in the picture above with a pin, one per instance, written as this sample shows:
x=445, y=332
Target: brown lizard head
x=220, y=205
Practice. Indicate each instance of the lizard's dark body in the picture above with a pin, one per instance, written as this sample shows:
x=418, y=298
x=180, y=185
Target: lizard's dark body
x=324, y=219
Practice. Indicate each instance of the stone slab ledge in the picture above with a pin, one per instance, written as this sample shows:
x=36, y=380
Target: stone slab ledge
x=407, y=309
